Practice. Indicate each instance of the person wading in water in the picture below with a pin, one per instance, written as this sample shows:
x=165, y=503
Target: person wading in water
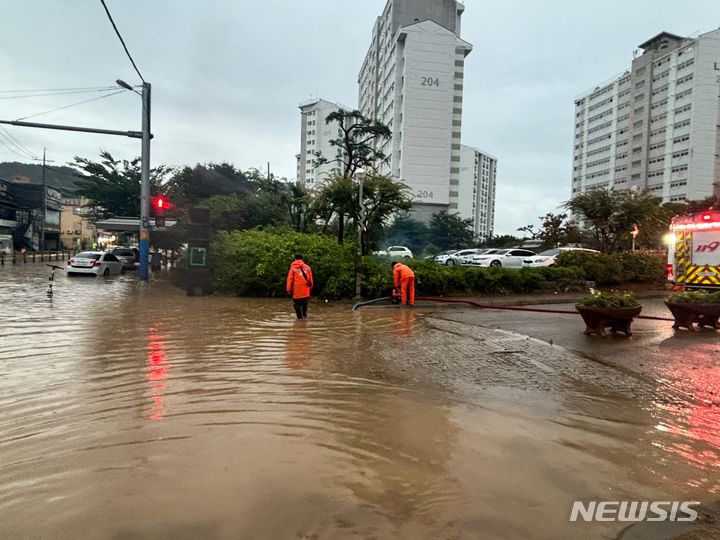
x=299, y=284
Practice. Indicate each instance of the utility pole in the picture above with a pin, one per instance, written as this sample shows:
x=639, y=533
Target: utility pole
x=44, y=201
x=361, y=227
x=145, y=186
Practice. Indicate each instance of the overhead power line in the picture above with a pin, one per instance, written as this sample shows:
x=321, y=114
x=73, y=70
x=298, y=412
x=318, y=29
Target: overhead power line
x=63, y=93
x=17, y=143
x=53, y=89
x=121, y=40
x=71, y=105
x=6, y=145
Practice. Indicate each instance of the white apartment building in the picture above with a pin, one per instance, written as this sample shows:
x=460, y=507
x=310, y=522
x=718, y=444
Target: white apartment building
x=315, y=137
x=412, y=81
x=655, y=126
x=476, y=199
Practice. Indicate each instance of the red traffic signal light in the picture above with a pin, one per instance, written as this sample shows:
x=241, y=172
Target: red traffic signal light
x=160, y=203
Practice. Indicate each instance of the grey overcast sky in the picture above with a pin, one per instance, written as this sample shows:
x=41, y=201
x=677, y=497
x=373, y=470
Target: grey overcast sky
x=227, y=77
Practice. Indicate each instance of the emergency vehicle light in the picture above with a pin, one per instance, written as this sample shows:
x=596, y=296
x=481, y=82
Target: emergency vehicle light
x=706, y=217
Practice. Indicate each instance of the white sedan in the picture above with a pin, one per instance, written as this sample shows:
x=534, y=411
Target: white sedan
x=547, y=258
x=461, y=257
x=508, y=258
x=396, y=252
x=441, y=258
x=97, y=263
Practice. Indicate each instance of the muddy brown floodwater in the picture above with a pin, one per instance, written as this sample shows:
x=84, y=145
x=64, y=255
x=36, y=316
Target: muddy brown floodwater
x=134, y=412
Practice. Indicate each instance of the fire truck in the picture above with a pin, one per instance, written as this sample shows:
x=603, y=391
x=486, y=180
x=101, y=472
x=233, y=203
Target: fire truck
x=694, y=250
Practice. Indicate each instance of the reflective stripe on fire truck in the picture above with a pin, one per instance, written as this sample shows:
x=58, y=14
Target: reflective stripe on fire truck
x=701, y=275
x=683, y=245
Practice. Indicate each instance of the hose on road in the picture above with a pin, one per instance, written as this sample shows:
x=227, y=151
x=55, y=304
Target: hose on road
x=367, y=302
x=480, y=305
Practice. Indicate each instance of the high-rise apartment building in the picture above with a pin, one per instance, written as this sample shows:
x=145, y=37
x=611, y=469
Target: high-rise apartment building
x=476, y=198
x=655, y=126
x=315, y=137
x=412, y=81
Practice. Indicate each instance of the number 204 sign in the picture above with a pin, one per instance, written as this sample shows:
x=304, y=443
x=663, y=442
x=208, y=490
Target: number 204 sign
x=706, y=248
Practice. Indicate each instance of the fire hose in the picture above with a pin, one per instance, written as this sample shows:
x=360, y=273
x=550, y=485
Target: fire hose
x=480, y=305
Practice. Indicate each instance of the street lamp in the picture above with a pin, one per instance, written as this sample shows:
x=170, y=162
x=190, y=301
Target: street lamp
x=360, y=175
x=634, y=233
x=143, y=273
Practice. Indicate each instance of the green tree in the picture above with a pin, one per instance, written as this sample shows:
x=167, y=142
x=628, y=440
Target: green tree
x=448, y=231
x=292, y=199
x=357, y=150
x=406, y=231
x=529, y=229
x=610, y=216
x=501, y=241
x=190, y=185
x=358, y=143
x=557, y=229
x=701, y=205
x=237, y=212
x=334, y=200
x=112, y=186
x=382, y=199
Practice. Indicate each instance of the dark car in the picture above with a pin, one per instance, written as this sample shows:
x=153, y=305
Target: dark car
x=128, y=256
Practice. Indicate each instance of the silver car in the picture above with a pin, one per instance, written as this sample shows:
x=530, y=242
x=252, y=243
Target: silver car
x=128, y=256
x=461, y=257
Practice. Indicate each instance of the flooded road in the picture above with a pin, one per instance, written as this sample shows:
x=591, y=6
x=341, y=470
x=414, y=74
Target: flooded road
x=141, y=413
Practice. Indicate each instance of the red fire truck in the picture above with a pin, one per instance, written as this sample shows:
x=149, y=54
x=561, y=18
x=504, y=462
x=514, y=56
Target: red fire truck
x=694, y=250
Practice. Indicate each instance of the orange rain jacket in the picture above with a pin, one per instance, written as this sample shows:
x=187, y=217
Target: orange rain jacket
x=297, y=285
x=400, y=272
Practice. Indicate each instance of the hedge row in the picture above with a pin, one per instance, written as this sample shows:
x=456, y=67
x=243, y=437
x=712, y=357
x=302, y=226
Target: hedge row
x=618, y=268
x=255, y=263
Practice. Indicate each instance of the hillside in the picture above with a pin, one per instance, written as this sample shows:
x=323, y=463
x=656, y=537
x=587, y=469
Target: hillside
x=59, y=177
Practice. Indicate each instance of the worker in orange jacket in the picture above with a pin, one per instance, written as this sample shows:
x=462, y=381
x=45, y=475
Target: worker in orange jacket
x=404, y=279
x=298, y=285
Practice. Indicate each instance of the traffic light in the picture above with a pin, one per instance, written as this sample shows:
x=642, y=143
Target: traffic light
x=160, y=204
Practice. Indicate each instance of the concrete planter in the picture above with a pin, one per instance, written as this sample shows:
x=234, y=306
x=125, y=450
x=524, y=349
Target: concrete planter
x=686, y=315
x=597, y=319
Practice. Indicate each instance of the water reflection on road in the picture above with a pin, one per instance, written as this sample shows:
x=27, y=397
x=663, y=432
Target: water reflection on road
x=132, y=412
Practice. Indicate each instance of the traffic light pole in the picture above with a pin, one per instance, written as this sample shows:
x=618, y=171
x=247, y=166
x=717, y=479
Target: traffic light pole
x=143, y=273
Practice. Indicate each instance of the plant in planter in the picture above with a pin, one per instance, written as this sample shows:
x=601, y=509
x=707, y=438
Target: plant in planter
x=695, y=307
x=608, y=310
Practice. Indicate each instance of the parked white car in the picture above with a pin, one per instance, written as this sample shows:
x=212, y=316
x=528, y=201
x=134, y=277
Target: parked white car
x=547, y=258
x=508, y=258
x=396, y=252
x=97, y=263
x=441, y=258
x=461, y=257
x=475, y=259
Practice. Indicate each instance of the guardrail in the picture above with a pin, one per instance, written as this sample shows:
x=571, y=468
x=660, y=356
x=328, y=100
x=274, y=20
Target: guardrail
x=24, y=257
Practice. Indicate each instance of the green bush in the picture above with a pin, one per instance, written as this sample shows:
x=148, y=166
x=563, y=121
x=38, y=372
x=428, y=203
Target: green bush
x=609, y=300
x=695, y=297
x=255, y=263
x=627, y=267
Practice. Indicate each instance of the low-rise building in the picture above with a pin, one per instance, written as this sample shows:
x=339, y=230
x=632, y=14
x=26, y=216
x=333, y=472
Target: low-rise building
x=76, y=230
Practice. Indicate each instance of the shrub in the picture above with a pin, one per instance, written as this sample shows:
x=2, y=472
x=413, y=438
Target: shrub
x=695, y=297
x=609, y=300
x=255, y=263
x=628, y=267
